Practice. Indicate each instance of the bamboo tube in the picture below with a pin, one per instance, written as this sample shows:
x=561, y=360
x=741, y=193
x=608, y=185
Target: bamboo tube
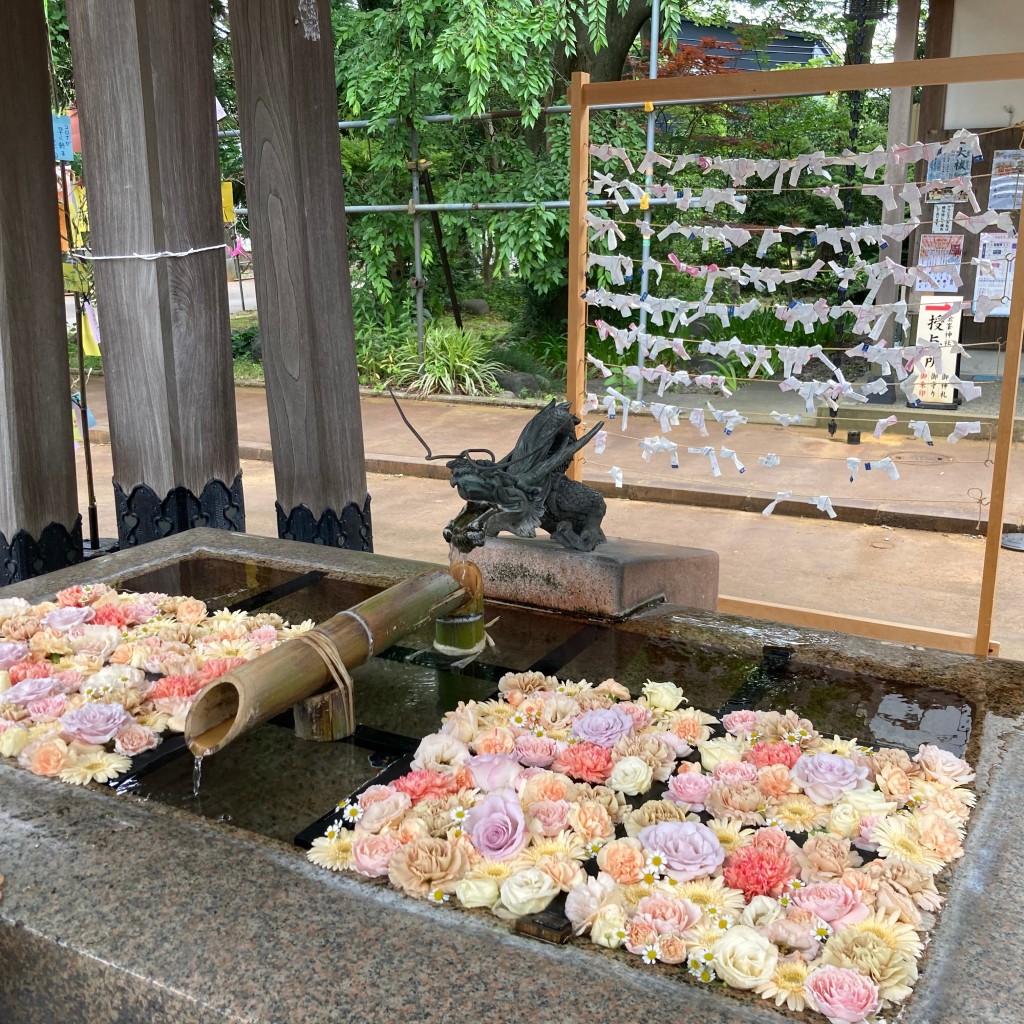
x=257, y=691
x=462, y=632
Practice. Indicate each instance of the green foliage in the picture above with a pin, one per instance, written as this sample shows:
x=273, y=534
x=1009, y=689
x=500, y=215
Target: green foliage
x=455, y=363
x=242, y=339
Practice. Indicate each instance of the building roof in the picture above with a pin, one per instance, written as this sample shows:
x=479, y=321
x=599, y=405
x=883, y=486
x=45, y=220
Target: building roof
x=787, y=47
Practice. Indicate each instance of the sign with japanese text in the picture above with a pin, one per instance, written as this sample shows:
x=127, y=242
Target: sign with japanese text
x=933, y=386
x=62, y=138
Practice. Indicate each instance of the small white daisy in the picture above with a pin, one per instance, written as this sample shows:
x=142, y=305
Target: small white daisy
x=334, y=830
x=438, y=896
x=822, y=930
x=651, y=953
x=458, y=813
x=351, y=812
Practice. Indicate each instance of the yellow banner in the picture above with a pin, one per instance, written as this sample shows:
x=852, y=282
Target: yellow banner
x=227, y=202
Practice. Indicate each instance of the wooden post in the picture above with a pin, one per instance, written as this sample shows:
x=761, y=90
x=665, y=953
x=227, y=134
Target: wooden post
x=938, y=42
x=576, y=349
x=288, y=116
x=40, y=528
x=1001, y=468
x=144, y=74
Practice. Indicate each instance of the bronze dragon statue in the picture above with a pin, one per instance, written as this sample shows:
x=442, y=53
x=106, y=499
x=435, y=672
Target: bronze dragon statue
x=527, y=488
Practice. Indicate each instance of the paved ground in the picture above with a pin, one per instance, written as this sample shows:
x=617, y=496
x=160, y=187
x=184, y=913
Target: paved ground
x=910, y=575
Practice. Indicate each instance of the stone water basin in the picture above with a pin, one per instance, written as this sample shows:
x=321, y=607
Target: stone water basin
x=162, y=901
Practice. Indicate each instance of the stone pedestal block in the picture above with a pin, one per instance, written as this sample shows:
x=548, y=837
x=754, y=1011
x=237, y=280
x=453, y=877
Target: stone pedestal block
x=611, y=582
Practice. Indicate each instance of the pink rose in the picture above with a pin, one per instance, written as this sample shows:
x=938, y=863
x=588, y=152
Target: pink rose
x=691, y=850
x=842, y=994
x=99, y=641
x=602, y=727
x=133, y=739
x=95, y=723
x=493, y=771
x=740, y=723
x=29, y=690
x=46, y=709
x=586, y=899
x=384, y=811
x=62, y=619
x=678, y=746
x=640, y=715
x=689, y=788
x=372, y=854
x=941, y=766
x=11, y=654
x=497, y=825
x=833, y=902
x=826, y=777
x=733, y=772
x=548, y=817
x=666, y=914
x=535, y=751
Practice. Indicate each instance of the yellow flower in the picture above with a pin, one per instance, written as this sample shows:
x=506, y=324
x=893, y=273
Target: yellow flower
x=798, y=813
x=333, y=854
x=711, y=892
x=100, y=767
x=786, y=985
x=495, y=870
x=898, y=840
x=899, y=937
x=567, y=843
x=731, y=834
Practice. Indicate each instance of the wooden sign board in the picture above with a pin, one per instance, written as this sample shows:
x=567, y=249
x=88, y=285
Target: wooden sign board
x=933, y=388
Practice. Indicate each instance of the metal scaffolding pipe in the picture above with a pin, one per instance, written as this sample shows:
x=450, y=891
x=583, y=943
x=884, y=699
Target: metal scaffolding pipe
x=417, y=239
x=545, y=204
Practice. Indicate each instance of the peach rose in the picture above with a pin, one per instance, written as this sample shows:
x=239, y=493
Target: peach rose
x=133, y=739
x=740, y=802
x=383, y=812
x=47, y=756
x=895, y=784
x=498, y=740
x=190, y=611
x=640, y=933
x=371, y=854
x=623, y=859
x=773, y=781
x=824, y=857
x=565, y=872
x=547, y=817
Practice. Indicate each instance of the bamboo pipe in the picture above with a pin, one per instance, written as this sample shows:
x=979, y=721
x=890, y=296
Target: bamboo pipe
x=270, y=684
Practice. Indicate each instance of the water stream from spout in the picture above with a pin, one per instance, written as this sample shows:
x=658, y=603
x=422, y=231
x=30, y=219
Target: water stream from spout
x=197, y=777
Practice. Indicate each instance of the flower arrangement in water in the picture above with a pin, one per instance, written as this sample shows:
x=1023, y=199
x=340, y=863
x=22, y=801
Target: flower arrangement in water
x=773, y=859
x=91, y=680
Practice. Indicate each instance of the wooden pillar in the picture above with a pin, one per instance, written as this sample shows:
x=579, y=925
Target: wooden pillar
x=40, y=528
x=288, y=116
x=938, y=42
x=144, y=74
x=579, y=174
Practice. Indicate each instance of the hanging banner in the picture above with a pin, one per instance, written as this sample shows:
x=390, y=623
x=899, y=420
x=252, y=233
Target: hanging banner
x=1006, y=187
x=933, y=387
x=940, y=255
x=62, y=150
x=227, y=203
x=997, y=251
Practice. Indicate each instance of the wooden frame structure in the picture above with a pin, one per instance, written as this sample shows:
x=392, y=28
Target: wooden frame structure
x=584, y=95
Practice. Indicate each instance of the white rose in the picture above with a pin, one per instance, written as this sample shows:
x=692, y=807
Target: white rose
x=440, y=752
x=870, y=801
x=609, y=927
x=663, y=696
x=5, y=681
x=844, y=820
x=12, y=606
x=13, y=741
x=526, y=892
x=461, y=723
x=726, y=748
x=631, y=775
x=761, y=911
x=744, y=958
x=119, y=676
x=99, y=641
x=477, y=892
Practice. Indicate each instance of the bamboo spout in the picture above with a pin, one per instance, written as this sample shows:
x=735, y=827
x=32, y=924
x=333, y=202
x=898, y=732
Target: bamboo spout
x=255, y=692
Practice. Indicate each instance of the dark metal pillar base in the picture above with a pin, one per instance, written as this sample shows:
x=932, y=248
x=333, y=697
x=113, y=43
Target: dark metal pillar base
x=352, y=529
x=23, y=557
x=143, y=515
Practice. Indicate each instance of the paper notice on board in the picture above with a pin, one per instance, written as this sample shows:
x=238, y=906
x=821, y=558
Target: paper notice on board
x=933, y=385
x=1006, y=187
x=940, y=255
x=999, y=249
x=955, y=164
x=942, y=218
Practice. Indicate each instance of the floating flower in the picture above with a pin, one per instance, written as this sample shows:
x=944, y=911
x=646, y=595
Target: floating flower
x=876, y=956
x=758, y=871
x=939, y=765
x=428, y=863
x=32, y=689
x=798, y=813
x=826, y=777
x=425, y=785
x=651, y=953
x=97, y=767
x=662, y=696
x=623, y=860
x=497, y=825
x=631, y=775
x=744, y=958
x=334, y=854
x=788, y=984
x=585, y=761
x=48, y=755
x=691, y=788
x=690, y=849
x=763, y=753
x=843, y=995
x=133, y=739
x=95, y=723
x=61, y=619
x=527, y=892
x=897, y=838
x=11, y=653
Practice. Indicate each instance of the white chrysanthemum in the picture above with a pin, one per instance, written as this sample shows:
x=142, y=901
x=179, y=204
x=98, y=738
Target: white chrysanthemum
x=297, y=627
x=333, y=854
x=897, y=840
x=787, y=986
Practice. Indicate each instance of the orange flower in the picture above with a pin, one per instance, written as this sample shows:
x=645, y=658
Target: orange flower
x=758, y=871
x=585, y=761
x=774, y=781
x=190, y=611
x=623, y=859
x=46, y=756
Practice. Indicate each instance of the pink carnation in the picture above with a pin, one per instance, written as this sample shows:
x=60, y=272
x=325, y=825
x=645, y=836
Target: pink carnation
x=263, y=635
x=216, y=667
x=548, y=817
x=758, y=871
x=176, y=686
x=740, y=722
x=133, y=739
x=585, y=761
x=666, y=914
x=842, y=994
x=30, y=670
x=46, y=709
x=535, y=751
x=763, y=754
x=734, y=772
x=425, y=785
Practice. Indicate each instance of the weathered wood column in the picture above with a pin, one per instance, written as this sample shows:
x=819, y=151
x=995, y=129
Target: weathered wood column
x=40, y=528
x=144, y=73
x=288, y=115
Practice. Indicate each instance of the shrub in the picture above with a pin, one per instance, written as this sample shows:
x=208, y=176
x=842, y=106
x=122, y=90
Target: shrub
x=454, y=363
